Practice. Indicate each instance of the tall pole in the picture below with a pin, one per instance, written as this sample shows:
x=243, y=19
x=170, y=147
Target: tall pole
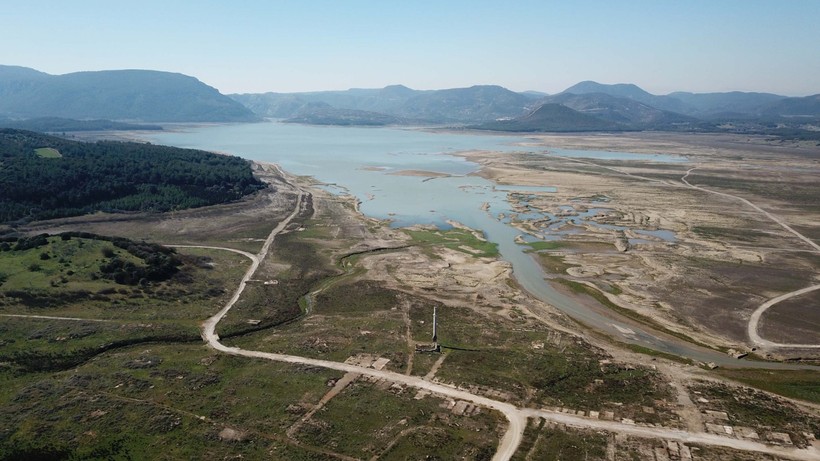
x=435, y=326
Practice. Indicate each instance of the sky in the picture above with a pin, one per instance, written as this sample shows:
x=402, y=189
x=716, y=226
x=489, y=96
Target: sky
x=253, y=46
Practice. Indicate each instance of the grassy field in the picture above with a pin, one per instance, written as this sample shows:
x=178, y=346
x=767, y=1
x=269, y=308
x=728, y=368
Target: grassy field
x=156, y=402
x=797, y=384
x=457, y=239
x=549, y=443
x=354, y=316
x=48, y=152
x=366, y=421
x=546, y=245
x=66, y=282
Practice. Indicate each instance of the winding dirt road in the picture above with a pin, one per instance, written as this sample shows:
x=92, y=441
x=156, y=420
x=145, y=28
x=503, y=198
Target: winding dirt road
x=517, y=417
x=754, y=319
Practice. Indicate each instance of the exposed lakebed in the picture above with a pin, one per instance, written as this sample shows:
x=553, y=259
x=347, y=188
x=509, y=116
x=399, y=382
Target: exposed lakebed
x=368, y=163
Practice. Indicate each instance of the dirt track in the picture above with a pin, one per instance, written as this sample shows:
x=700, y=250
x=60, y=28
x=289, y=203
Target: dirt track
x=517, y=417
x=754, y=320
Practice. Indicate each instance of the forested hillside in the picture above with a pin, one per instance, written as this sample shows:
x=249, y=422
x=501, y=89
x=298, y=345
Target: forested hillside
x=45, y=177
x=143, y=95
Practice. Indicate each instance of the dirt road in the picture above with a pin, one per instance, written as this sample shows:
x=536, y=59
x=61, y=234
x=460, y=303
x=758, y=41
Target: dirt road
x=766, y=213
x=754, y=322
x=516, y=417
x=754, y=319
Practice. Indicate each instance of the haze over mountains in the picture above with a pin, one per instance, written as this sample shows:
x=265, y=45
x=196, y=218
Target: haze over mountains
x=620, y=106
x=153, y=96
x=134, y=95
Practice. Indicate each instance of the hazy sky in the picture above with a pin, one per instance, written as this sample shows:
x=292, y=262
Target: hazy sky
x=284, y=46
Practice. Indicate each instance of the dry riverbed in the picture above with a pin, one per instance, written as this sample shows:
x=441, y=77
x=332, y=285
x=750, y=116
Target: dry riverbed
x=695, y=262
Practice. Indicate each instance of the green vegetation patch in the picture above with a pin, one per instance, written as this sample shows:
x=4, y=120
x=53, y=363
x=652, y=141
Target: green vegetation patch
x=345, y=320
x=278, y=301
x=158, y=402
x=83, y=258
x=540, y=245
x=463, y=240
x=750, y=407
x=572, y=378
x=48, y=152
x=554, y=264
x=94, y=313
x=796, y=384
x=112, y=177
x=554, y=444
x=364, y=421
x=358, y=297
x=532, y=362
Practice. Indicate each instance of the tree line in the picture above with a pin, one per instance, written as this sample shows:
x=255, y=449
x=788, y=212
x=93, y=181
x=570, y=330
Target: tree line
x=112, y=176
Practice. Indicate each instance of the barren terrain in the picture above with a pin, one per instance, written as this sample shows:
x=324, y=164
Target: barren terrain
x=716, y=258
x=346, y=302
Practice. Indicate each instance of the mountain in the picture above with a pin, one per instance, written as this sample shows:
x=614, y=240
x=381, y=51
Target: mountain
x=458, y=105
x=586, y=106
x=808, y=106
x=713, y=105
x=61, y=125
x=319, y=113
x=552, y=117
x=385, y=100
x=629, y=91
x=710, y=106
x=474, y=104
x=620, y=110
x=142, y=95
x=621, y=90
x=534, y=94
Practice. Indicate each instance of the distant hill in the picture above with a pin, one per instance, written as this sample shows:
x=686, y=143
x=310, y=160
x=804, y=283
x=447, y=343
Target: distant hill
x=132, y=95
x=552, y=117
x=590, y=106
x=61, y=125
x=387, y=101
x=324, y=114
x=629, y=91
x=808, y=106
x=466, y=105
x=534, y=94
x=458, y=105
x=712, y=105
x=708, y=106
x=48, y=177
x=627, y=112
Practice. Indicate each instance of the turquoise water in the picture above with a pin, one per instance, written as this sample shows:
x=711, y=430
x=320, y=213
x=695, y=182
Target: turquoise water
x=362, y=162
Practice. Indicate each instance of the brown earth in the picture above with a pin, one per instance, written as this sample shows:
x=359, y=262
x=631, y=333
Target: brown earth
x=726, y=258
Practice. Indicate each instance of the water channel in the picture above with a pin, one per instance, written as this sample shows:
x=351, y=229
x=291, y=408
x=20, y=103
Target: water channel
x=373, y=165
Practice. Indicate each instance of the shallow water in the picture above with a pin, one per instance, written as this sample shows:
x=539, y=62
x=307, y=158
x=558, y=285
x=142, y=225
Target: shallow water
x=359, y=161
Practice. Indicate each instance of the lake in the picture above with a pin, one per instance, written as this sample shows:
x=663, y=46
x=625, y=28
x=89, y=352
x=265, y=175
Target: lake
x=367, y=162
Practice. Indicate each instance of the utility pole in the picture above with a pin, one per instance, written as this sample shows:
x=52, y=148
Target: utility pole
x=435, y=330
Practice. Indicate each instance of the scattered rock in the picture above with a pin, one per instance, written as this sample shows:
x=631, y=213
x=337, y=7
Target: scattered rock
x=231, y=435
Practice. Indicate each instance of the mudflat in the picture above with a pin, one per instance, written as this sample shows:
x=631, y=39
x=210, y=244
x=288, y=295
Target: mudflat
x=675, y=242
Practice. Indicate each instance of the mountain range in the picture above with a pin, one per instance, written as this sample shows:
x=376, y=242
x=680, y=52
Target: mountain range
x=587, y=106
x=132, y=95
x=457, y=105
x=153, y=96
